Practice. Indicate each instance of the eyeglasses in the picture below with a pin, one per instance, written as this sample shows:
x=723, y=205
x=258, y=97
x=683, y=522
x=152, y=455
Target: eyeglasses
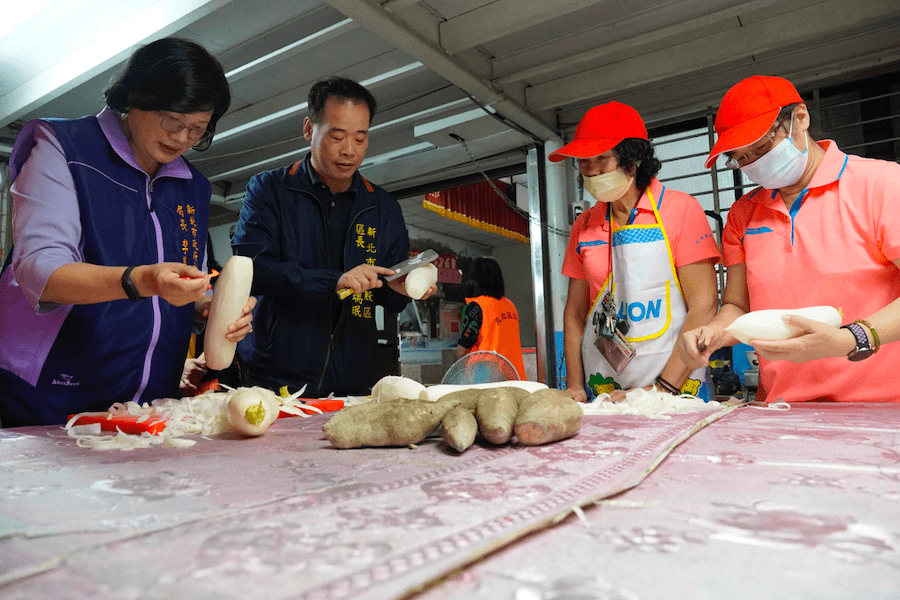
x=761, y=148
x=173, y=125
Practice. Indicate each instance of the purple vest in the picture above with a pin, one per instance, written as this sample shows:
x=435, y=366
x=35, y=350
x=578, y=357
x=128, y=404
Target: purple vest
x=86, y=357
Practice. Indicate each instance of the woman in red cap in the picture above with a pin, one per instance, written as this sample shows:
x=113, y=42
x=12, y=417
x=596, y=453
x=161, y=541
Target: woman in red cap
x=640, y=262
x=820, y=230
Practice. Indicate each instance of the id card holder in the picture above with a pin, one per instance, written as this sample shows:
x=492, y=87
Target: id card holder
x=617, y=351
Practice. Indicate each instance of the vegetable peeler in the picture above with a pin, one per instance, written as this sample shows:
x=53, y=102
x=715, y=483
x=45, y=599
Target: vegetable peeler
x=401, y=269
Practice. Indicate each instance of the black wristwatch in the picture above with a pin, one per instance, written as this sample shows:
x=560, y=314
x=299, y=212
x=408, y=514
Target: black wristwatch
x=128, y=285
x=863, y=349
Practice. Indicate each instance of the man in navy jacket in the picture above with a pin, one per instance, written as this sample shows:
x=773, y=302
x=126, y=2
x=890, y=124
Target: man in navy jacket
x=313, y=229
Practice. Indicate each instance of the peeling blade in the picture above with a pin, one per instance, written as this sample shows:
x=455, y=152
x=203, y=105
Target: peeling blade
x=419, y=260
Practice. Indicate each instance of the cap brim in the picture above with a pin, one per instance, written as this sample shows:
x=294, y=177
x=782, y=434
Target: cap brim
x=584, y=148
x=742, y=134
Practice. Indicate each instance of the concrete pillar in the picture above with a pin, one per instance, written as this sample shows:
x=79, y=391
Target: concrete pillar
x=549, y=231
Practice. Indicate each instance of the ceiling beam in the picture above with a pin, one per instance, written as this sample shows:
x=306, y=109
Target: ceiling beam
x=480, y=25
x=833, y=18
x=230, y=173
x=291, y=50
x=291, y=103
x=389, y=27
x=505, y=76
x=108, y=49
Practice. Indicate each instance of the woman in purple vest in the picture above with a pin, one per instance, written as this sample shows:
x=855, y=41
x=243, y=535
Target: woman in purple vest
x=109, y=230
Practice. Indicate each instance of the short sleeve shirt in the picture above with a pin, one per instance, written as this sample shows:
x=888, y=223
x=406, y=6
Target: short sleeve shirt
x=835, y=246
x=686, y=225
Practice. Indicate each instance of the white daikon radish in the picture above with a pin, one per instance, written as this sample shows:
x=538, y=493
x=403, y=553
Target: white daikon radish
x=420, y=279
x=392, y=387
x=251, y=410
x=435, y=392
x=231, y=293
x=767, y=324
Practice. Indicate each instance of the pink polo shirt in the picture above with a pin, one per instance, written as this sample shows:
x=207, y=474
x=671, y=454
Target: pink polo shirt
x=686, y=225
x=834, y=247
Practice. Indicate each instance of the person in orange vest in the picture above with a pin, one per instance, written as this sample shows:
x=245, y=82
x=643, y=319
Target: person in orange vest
x=490, y=320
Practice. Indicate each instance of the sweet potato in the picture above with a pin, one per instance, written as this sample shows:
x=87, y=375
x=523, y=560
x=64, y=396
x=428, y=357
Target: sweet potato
x=459, y=428
x=496, y=415
x=547, y=416
x=468, y=398
x=465, y=398
x=384, y=423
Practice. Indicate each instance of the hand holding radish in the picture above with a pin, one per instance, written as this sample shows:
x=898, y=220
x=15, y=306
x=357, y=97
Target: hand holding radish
x=796, y=334
x=817, y=340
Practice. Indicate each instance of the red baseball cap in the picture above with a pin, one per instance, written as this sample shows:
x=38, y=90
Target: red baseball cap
x=748, y=111
x=601, y=129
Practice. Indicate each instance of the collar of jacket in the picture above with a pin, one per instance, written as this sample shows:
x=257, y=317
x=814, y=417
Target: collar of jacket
x=298, y=178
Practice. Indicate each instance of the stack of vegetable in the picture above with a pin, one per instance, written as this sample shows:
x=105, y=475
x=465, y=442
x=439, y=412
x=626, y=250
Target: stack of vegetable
x=247, y=410
x=496, y=413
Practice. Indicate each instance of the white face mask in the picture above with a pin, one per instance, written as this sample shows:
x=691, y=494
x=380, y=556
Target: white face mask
x=781, y=166
x=608, y=187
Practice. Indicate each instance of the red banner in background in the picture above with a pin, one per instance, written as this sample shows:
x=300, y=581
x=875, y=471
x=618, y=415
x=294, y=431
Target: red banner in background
x=479, y=206
x=447, y=266
x=448, y=269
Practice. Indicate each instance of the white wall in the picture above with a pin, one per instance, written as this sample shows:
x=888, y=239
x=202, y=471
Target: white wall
x=515, y=263
x=221, y=241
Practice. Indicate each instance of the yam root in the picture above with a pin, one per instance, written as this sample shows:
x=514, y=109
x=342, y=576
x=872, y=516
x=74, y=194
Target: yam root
x=547, y=416
x=469, y=398
x=384, y=423
x=465, y=398
x=495, y=412
x=459, y=428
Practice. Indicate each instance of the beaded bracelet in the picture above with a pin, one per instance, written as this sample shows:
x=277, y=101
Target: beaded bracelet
x=875, y=339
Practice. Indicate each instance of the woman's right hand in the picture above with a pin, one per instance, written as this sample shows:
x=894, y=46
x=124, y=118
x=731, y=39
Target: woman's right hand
x=175, y=283
x=577, y=393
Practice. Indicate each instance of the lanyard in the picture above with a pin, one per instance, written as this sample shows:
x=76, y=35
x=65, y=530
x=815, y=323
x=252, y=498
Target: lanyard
x=608, y=304
x=610, y=322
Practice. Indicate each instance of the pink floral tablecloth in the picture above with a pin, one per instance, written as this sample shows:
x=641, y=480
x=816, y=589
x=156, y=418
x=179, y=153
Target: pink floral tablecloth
x=754, y=503
x=759, y=505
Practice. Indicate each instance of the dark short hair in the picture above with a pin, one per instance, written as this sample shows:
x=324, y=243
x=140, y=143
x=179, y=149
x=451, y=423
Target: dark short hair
x=341, y=88
x=484, y=278
x=637, y=152
x=174, y=75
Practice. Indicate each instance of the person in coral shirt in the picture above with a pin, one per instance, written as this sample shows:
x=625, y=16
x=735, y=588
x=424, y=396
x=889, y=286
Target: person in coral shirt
x=820, y=230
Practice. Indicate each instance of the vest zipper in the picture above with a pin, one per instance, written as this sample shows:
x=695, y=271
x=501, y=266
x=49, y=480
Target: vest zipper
x=157, y=314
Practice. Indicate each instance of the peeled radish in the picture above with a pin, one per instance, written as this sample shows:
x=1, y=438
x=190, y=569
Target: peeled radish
x=420, y=280
x=231, y=294
x=767, y=324
x=393, y=387
x=251, y=410
x=436, y=392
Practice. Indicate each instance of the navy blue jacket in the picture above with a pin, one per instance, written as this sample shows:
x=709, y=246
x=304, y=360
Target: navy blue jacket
x=109, y=351
x=296, y=340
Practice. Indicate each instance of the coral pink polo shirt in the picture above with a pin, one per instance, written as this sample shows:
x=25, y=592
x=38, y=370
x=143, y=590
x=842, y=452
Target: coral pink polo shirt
x=686, y=225
x=835, y=246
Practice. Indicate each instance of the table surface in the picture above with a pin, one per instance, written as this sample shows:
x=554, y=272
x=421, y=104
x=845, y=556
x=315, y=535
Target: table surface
x=746, y=502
